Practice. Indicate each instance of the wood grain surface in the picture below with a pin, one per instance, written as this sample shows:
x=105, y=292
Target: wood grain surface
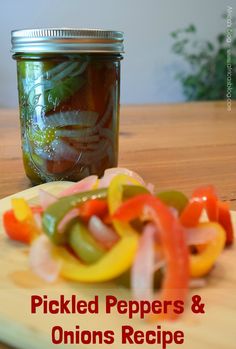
x=173, y=146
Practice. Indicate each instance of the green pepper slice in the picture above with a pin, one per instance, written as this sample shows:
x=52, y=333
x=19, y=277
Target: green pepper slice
x=131, y=190
x=174, y=199
x=55, y=212
x=83, y=244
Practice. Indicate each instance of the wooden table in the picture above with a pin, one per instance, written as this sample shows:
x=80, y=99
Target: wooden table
x=176, y=146
x=173, y=146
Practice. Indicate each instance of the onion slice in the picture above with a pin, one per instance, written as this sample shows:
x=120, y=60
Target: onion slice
x=144, y=266
x=83, y=185
x=174, y=212
x=69, y=216
x=197, y=283
x=110, y=173
x=199, y=235
x=102, y=233
x=150, y=187
x=194, y=236
x=46, y=199
x=38, y=220
x=41, y=260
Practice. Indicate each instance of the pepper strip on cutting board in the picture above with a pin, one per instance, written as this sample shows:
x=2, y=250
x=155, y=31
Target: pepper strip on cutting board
x=19, y=222
x=114, y=263
x=115, y=199
x=217, y=211
x=202, y=262
x=176, y=280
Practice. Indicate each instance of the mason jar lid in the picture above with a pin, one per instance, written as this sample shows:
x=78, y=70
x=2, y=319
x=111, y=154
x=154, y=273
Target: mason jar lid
x=64, y=40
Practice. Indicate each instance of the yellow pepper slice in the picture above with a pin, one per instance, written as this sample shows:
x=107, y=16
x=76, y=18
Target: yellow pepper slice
x=21, y=208
x=112, y=264
x=115, y=193
x=202, y=262
x=95, y=186
x=28, y=229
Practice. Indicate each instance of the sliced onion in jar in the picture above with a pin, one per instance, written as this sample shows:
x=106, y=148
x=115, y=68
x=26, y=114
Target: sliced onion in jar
x=60, y=150
x=102, y=233
x=84, y=185
x=41, y=259
x=71, y=118
x=46, y=199
x=89, y=157
x=79, y=135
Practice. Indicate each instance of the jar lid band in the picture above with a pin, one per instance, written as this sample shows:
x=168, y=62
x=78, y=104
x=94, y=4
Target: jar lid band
x=65, y=40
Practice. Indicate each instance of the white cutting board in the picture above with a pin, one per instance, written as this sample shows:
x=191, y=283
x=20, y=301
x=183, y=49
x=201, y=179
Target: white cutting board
x=21, y=329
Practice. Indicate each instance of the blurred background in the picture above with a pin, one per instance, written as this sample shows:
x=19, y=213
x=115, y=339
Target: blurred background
x=174, y=50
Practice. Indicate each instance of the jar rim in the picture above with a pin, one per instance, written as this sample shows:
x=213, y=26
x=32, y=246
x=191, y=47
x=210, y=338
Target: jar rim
x=65, y=40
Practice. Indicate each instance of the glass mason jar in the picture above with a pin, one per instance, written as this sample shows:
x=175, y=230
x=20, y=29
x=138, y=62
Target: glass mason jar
x=69, y=88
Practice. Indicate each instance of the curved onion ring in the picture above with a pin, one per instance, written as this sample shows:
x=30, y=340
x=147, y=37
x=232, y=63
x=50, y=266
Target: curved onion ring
x=102, y=233
x=41, y=260
x=83, y=185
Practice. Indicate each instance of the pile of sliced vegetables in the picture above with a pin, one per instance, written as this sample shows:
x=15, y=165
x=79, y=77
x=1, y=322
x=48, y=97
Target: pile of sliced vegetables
x=117, y=228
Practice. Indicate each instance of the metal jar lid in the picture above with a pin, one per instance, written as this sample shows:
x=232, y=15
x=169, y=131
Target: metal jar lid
x=65, y=40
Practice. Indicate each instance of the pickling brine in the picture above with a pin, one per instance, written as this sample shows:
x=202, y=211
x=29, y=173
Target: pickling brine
x=69, y=113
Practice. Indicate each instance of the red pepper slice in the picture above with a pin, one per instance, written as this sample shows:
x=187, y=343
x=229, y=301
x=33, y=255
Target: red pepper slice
x=37, y=209
x=20, y=231
x=23, y=231
x=208, y=196
x=175, y=285
x=224, y=219
x=92, y=207
x=203, y=197
x=217, y=211
x=191, y=213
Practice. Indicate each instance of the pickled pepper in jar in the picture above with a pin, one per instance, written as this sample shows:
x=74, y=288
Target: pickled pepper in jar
x=69, y=87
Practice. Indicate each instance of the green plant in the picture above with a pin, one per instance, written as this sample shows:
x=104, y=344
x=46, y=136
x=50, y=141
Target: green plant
x=207, y=77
